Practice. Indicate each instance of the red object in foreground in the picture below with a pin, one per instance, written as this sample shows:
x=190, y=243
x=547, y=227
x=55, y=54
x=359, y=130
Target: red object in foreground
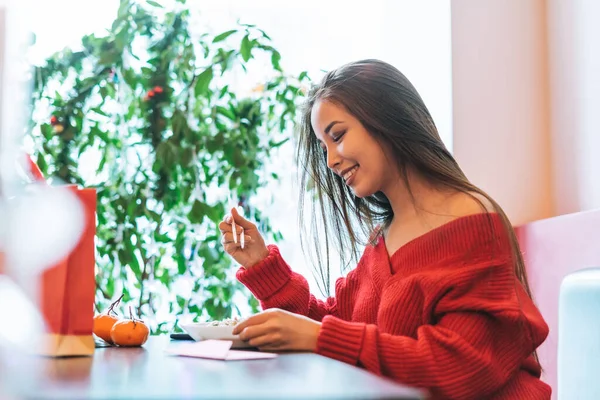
x=68, y=288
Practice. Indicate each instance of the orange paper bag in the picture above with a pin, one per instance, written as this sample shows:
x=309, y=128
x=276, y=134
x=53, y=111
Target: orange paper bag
x=68, y=290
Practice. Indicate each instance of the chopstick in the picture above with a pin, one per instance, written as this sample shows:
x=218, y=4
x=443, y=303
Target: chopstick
x=234, y=230
x=232, y=204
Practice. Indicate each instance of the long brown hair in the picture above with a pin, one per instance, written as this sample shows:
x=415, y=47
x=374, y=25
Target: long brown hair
x=392, y=111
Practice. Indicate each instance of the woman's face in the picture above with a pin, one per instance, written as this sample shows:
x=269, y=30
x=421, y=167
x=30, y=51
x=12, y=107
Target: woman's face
x=351, y=151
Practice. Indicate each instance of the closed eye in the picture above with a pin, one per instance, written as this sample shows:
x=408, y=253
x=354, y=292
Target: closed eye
x=337, y=137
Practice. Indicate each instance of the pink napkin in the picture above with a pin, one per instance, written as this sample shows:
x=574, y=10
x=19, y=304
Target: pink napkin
x=216, y=350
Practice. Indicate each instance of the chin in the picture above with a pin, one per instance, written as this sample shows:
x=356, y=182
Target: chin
x=362, y=192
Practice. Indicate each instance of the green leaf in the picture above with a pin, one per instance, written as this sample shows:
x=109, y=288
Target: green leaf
x=264, y=34
x=197, y=212
x=162, y=237
x=224, y=91
x=134, y=264
x=246, y=48
x=47, y=131
x=121, y=38
x=100, y=111
x=123, y=9
x=129, y=77
x=41, y=162
x=278, y=144
x=110, y=287
x=225, y=112
x=187, y=156
x=166, y=154
x=109, y=58
x=178, y=123
x=275, y=58
x=223, y=36
x=203, y=81
x=154, y=4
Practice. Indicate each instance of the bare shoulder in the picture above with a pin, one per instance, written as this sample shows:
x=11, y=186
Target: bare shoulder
x=463, y=204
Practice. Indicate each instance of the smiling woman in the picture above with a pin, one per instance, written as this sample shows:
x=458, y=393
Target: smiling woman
x=351, y=152
x=440, y=298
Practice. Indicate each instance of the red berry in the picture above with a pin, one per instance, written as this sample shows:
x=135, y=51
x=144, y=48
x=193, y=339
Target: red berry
x=151, y=93
x=53, y=120
x=158, y=89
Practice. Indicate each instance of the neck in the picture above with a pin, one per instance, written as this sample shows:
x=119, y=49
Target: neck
x=425, y=198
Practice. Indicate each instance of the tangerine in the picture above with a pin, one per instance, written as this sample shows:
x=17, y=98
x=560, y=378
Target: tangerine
x=103, y=323
x=129, y=332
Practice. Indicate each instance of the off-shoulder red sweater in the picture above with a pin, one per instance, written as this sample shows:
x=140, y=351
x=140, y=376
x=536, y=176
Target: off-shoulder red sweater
x=445, y=312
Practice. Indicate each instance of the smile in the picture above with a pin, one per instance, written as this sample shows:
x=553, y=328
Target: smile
x=348, y=174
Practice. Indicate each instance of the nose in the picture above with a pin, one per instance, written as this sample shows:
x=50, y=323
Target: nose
x=333, y=158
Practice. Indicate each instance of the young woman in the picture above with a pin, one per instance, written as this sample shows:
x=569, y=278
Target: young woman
x=439, y=298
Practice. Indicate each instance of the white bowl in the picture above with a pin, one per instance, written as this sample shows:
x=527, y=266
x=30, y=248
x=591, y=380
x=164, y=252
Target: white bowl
x=205, y=331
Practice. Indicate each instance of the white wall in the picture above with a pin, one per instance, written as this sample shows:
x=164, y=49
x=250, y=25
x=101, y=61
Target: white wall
x=574, y=45
x=500, y=102
x=316, y=35
x=526, y=81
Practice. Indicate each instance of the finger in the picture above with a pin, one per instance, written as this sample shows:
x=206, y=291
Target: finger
x=256, y=319
x=234, y=230
x=273, y=347
x=267, y=341
x=255, y=331
x=225, y=227
x=231, y=248
x=243, y=222
x=227, y=238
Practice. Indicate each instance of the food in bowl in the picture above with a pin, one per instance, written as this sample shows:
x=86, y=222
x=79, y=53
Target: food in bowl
x=225, y=322
x=215, y=330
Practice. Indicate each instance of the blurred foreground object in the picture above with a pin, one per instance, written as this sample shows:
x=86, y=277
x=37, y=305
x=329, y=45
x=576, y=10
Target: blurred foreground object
x=67, y=290
x=46, y=233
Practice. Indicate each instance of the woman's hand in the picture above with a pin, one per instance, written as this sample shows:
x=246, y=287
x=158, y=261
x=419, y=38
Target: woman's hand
x=254, y=250
x=279, y=330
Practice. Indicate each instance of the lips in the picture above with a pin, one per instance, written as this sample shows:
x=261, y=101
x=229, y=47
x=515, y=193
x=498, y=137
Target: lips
x=348, y=173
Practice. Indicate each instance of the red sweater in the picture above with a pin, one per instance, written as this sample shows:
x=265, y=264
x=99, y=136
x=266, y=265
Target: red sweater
x=445, y=312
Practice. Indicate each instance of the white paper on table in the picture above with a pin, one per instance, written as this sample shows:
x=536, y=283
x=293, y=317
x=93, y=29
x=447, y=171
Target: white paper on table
x=216, y=350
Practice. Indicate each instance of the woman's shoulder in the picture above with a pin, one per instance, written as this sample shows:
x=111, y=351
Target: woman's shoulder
x=465, y=204
x=466, y=219
x=479, y=217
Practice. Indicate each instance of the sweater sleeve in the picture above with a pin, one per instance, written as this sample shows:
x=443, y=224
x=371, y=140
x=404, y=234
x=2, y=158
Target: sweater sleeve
x=275, y=285
x=475, y=346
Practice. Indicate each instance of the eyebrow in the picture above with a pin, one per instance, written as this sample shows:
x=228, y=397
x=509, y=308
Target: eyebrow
x=331, y=124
